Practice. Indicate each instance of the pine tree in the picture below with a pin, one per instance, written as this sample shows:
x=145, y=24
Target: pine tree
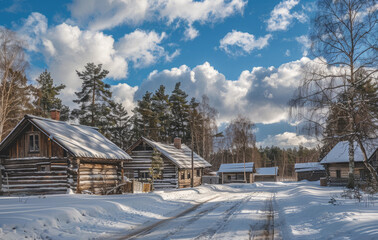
x=143, y=119
x=156, y=166
x=180, y=113
x=162, y=110
x=119, y=128
x=94, y=98
x=46, y=97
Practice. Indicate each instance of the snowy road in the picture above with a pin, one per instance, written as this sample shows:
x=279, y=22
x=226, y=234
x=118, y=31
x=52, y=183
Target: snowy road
x=282, y=210
x=246, y=215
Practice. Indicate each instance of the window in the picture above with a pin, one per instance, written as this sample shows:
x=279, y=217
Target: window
x=44, y=168
x=143, y=175
x=338, y=173
x=34, y=142
x=229, y=177
x=188, y=174
x=198, y=172
x=182, y=175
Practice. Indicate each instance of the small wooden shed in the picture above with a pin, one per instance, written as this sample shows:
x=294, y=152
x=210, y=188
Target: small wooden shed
x=310, y=171
x=336, y=162
x=234, y=172
x=177, y=166
x=267, y=174
x=45, y=156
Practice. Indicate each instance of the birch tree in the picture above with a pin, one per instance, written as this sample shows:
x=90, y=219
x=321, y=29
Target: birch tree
x=344, y=44
x=240, y=133
x=14, y=90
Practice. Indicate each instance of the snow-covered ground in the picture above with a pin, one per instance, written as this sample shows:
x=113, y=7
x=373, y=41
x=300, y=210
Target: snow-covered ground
x=289, y=210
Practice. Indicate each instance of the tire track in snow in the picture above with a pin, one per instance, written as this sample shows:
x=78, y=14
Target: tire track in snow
x=149, y=229
x=198, y=216
x=227, y=215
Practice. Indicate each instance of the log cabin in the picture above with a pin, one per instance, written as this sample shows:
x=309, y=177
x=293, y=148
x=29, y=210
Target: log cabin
x=234, y=172
x=310, y=171
x=267, y=174
x=176, y=169
x=336, y=162
x=48, y=156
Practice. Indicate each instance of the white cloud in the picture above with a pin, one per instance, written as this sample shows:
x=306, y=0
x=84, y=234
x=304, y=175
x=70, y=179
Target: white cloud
x=34, y=26
x=107, y=14
x=170, y=57
x=281, y=17
x=306, y=43
x=201, y=11
x=287, y=53
x=289, y=140
x=67, y=48
x=190, y=33
x=142, y=48
x=287, y=75
x=123, y=93
x=238, y=43
x=262, y=93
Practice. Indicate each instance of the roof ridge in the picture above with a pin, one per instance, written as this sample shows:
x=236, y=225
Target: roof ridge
x=30, y=116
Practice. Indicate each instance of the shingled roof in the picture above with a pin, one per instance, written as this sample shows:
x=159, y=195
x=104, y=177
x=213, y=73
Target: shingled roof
x=79, y=140
x=182, y=157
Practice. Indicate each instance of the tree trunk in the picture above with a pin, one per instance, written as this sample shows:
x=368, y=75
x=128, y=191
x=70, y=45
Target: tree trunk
x=371, y=169
x=245, y=175
x=351, y=165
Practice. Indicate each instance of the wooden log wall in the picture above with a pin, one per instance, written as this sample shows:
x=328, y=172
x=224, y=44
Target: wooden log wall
x=265, y=178
x=98, y=178
x=186, y=182
x=344, y=172
x=310, y=175
x=25, y=176
x=236, y=177
x=47, y=148
x=141, y=163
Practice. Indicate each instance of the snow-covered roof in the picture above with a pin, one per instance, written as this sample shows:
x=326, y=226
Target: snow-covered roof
x=340, y=153
x=268, y=171
x=81, y=141
x=236, y=167
x=182, y=157
x=309, y=166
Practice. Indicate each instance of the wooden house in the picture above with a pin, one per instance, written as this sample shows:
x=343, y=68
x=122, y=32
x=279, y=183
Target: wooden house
x=267, y=174
x=310, y=171
x=336, y=162
x=46, y=156
x=177, y=166
x=234, y=172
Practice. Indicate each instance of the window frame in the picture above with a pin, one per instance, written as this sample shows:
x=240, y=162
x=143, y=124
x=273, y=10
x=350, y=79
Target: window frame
x=32, y=140
x=182, y=175
x=47, y=166
x=198, y=172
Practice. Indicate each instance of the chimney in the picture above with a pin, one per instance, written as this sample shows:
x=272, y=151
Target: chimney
x=177, y=142
x=55, y=114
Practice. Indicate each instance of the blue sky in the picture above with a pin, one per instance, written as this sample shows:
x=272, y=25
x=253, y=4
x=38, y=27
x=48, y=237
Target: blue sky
x=245, y=55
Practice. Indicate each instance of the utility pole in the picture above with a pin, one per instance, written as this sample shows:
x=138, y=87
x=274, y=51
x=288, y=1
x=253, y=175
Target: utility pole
x=192, y=145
